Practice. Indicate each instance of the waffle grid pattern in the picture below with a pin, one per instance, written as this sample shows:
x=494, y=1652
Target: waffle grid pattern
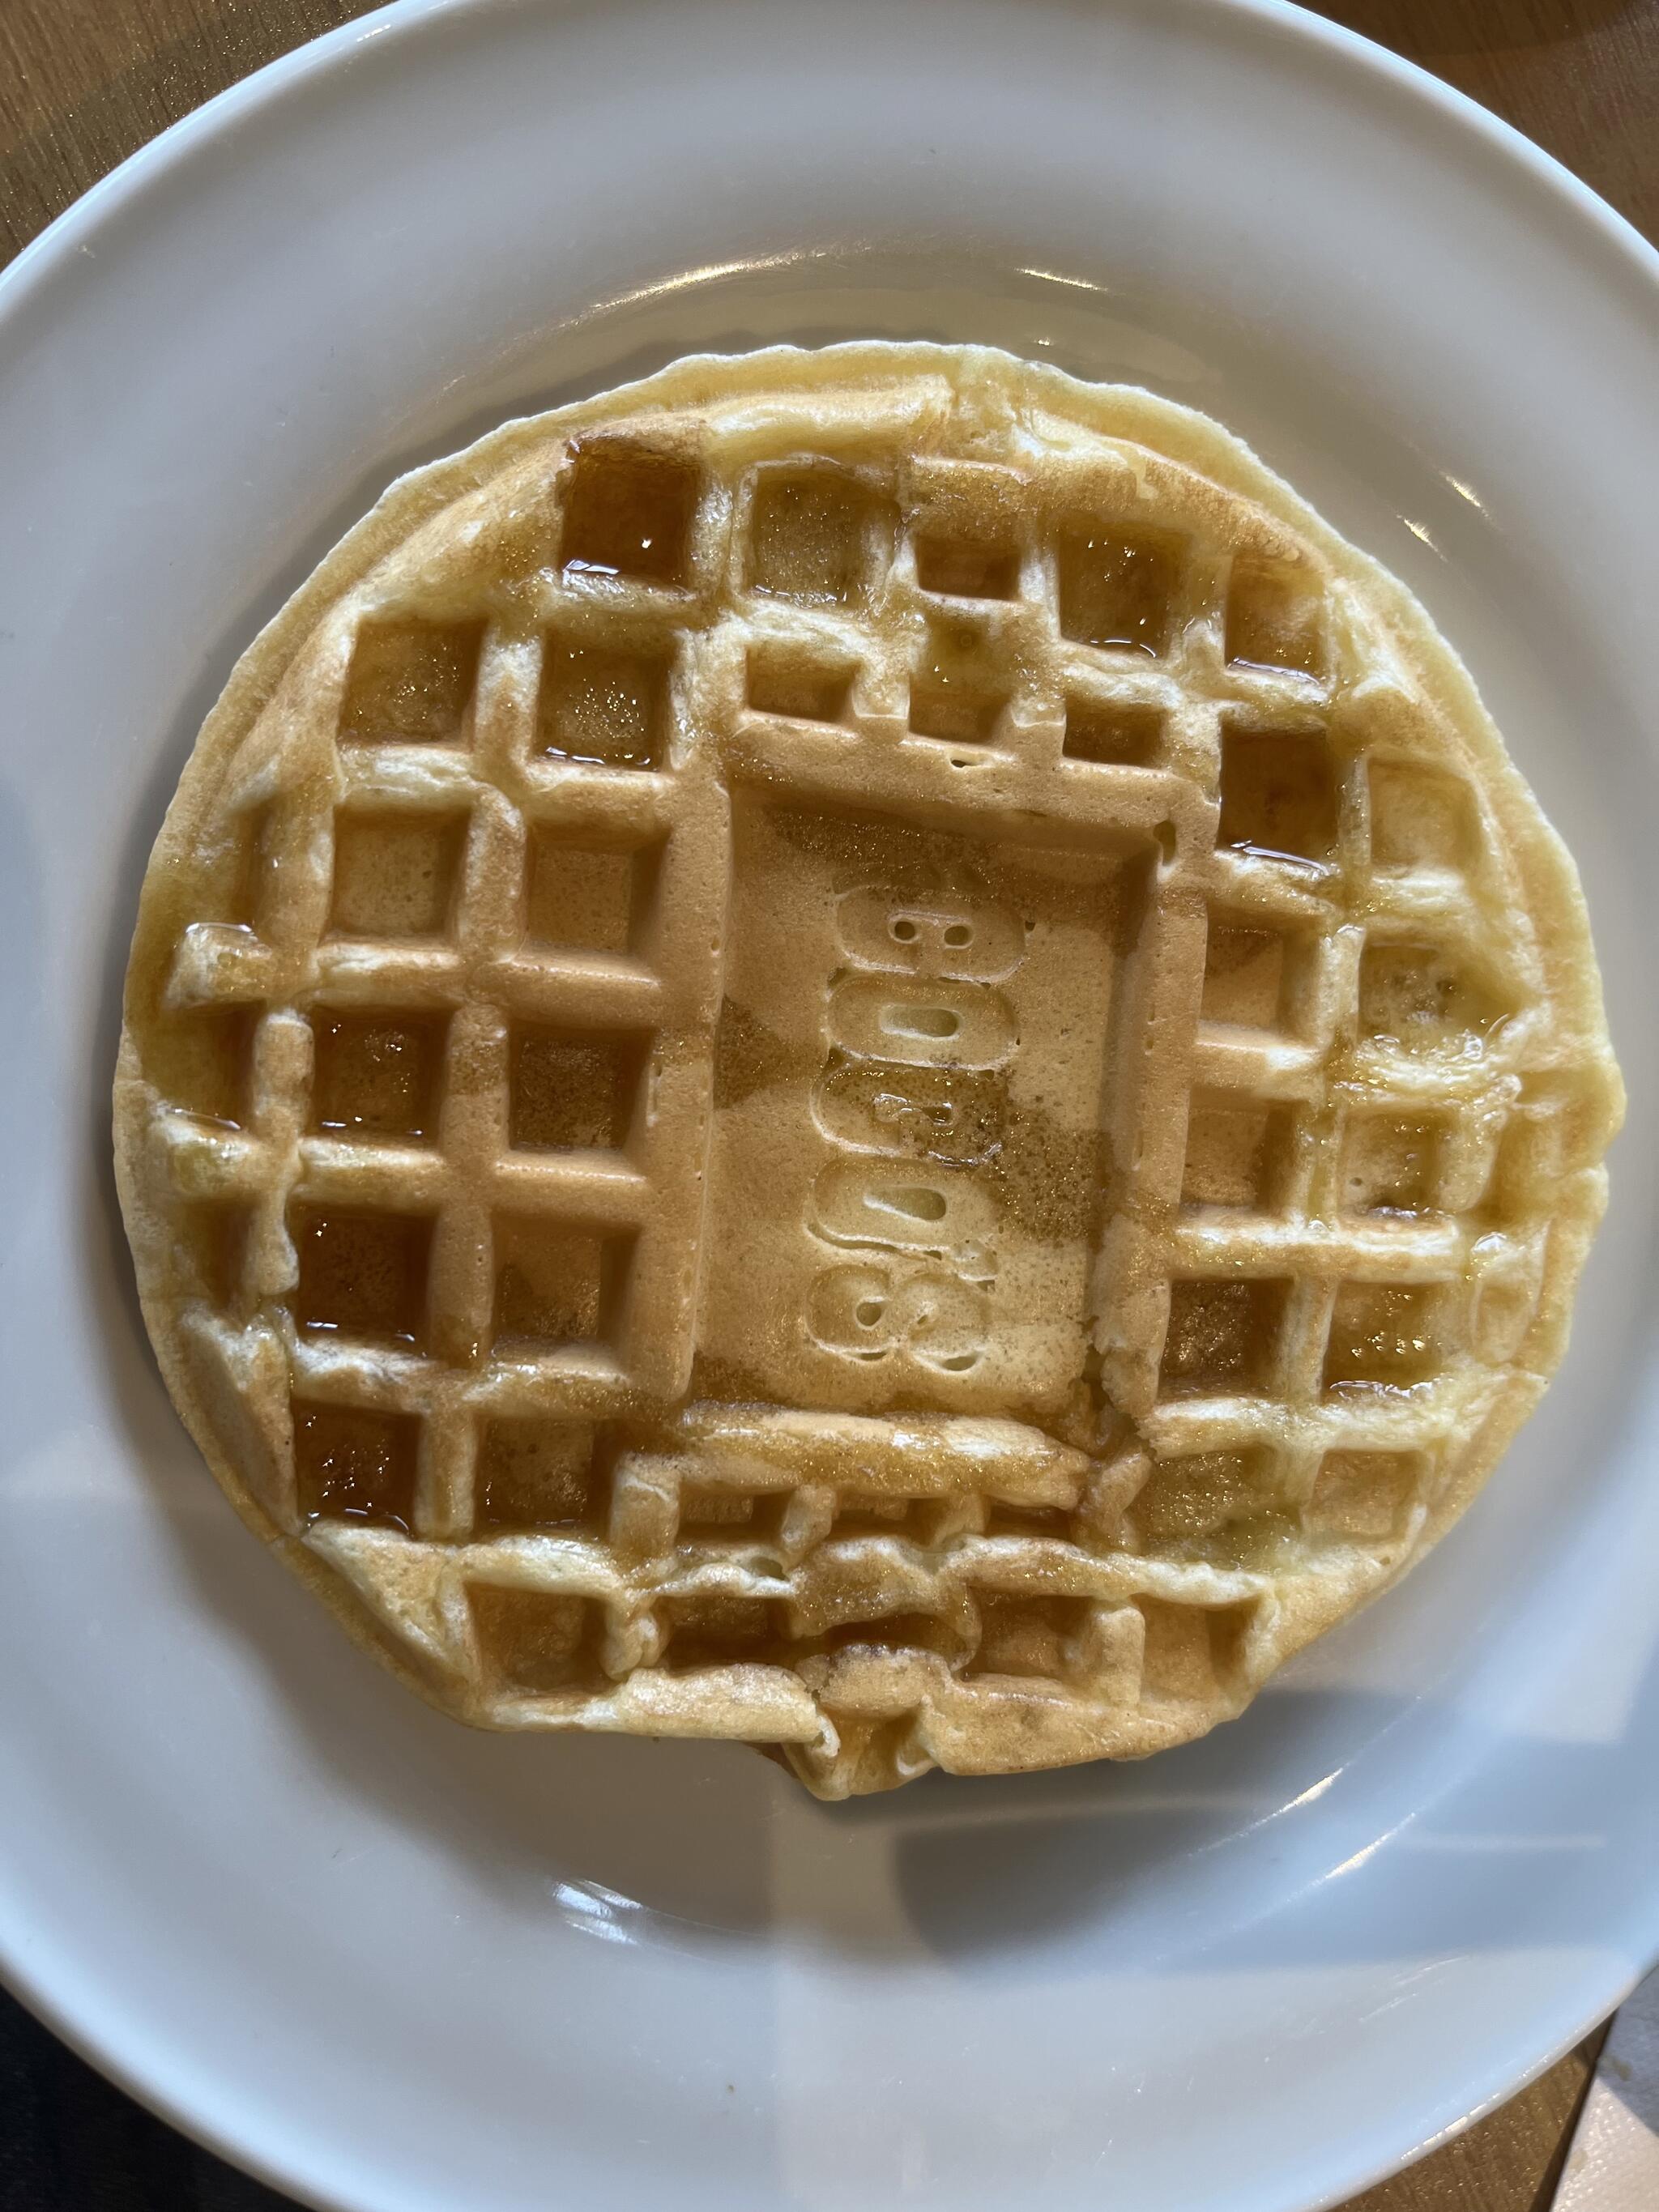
x=1328, y=1236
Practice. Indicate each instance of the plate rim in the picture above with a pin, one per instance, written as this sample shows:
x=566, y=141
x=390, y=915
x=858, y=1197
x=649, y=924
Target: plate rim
x=51, y=255
x=38, y=260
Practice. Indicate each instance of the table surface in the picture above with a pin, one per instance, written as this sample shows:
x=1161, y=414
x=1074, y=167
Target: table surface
x=82, y=84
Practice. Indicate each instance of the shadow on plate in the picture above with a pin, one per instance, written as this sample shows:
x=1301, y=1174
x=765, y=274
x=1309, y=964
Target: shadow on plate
x=693, y=1846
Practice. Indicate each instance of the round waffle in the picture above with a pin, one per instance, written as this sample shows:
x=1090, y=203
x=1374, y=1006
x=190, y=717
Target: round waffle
x=860, y=1050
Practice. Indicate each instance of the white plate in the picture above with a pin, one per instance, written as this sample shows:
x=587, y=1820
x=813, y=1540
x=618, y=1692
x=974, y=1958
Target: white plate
x=393, y=1965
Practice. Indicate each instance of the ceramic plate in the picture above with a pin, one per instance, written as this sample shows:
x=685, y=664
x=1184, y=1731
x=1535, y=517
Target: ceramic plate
x=394, y=1965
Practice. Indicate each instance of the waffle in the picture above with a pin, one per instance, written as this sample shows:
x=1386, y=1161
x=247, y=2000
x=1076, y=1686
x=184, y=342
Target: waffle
x=861, y=1051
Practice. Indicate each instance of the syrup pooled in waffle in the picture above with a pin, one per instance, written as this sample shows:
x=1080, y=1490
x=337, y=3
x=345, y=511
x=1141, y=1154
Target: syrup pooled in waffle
x=861, y=1051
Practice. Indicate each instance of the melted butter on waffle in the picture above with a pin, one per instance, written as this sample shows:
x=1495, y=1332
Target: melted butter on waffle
x=860, y=1051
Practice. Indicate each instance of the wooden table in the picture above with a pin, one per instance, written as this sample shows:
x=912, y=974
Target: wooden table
x=84, y=82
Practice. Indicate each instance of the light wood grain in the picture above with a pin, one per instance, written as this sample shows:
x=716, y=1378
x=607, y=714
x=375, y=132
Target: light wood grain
x=83, y=83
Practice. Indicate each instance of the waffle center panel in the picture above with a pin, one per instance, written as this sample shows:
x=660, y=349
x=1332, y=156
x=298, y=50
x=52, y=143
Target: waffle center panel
x=910, y=1151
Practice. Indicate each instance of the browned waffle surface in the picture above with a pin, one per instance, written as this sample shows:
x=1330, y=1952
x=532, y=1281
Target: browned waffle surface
x=861, y=1050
